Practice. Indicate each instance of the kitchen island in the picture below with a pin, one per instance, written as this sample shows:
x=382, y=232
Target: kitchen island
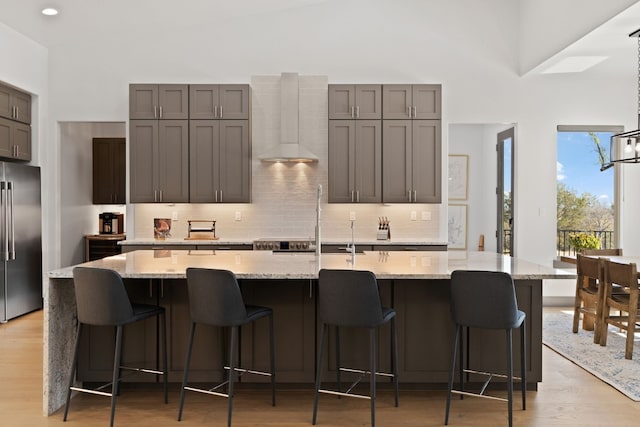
x=414, y=283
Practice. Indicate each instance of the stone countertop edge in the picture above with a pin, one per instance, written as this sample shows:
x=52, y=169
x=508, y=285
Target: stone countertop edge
x=203, y=242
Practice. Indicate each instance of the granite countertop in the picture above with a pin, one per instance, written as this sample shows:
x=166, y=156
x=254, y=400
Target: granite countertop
x=172, y=264
x=244, y=241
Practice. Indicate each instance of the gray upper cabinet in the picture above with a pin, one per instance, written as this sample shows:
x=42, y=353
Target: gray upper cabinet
x=158, y=102
x=220, y=161
x=210, y=102
x=355, y=102
x=15, y=105
x=411, y=161
x=159, y=157
x=15, y=140
x=411, y=101
x=355, y=161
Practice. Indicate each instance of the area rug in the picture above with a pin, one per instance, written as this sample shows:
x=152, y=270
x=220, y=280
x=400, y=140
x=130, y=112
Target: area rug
x=607, y=363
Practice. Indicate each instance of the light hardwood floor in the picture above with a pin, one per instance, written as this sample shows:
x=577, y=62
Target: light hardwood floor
x=568, y=396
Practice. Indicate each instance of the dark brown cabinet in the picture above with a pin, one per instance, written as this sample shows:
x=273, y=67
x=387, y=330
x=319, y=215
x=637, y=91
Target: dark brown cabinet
x=355, y=102
x=220, y=161
x=109, y=171
x=211, y=102
x=15, y=140
x=421, y=101
x=355, y=161
x=158, y=102
x=411, y=161
x=159, y=156
x=15, y=105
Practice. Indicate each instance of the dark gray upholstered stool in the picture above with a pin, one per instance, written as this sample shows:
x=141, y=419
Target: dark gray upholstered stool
x=102, y=300
x=486, y=300
x=349, y=298
x=215, y=299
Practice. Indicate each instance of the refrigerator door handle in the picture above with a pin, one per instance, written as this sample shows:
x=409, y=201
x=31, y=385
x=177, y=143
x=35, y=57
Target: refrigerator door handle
x=12, y=253
x=5, y=223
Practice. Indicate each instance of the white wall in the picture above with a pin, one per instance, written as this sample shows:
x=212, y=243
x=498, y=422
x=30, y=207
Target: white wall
x=79, y=215
x=470, y=47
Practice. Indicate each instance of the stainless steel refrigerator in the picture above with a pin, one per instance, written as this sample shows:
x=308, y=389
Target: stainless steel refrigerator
x=20, y=240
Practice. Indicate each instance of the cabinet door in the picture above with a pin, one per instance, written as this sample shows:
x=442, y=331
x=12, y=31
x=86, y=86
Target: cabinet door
x=396, y=101
x=342, y=100
x=426, y=161
x=173, y=157
x=341, y=161
x=173, y=101
x=6, y=137
x=22, y=102
x=368, y=102
x=109, y=170
x=235, y=161
x=234, y=102
x=22, y=141
x=204, y=148
x=203, y=102
x=396, y=161
x=143, y=153
x=427, y=101
x=368, y=161
x=143, y=101
x=6, y=103
x=120, y=172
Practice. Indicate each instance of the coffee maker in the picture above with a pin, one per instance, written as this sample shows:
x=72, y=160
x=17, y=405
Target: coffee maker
x=111, y=223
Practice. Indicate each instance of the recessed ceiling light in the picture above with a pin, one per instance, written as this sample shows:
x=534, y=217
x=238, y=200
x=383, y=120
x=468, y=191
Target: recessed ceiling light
x=574, y=64
x=49, y=11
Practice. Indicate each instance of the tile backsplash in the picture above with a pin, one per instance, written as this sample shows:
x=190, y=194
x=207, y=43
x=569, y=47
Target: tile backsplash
x=283, y=195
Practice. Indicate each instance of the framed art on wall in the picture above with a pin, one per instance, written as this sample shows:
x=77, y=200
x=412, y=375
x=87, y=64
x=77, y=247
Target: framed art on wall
x=458, y=176
x=457, y=227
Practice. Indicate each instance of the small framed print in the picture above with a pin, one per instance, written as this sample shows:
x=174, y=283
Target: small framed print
x=458, y=176
x=457, y=227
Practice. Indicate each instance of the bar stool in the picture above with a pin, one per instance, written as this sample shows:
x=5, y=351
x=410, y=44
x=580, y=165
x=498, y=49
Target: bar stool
x=102, y=300
x=215, y=299
x=351, y=298
x=487, y=300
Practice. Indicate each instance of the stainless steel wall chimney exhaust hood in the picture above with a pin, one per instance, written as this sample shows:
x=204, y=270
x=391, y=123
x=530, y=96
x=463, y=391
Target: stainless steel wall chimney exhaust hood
x=289, y=149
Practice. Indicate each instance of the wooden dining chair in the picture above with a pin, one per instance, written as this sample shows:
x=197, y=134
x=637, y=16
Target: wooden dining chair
x=589, y=294
x=624, y=275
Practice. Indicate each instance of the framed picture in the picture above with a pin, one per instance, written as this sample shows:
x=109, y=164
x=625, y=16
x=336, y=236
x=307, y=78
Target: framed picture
x=458, y=176
x=457, y=226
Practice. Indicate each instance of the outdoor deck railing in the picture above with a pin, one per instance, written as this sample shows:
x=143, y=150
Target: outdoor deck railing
x=564, y=248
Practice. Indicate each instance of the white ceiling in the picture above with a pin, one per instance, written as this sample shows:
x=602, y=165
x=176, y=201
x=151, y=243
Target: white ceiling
x=92, y=20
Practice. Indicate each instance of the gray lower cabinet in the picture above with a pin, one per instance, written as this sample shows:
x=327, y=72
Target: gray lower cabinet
x=158, y=102
x=15, y=140
x=211, y=101
x=422, y=101
x=355, y=161
x=411, y=161
x=359, y=101
x=159, y=161
x=220, y=161
x=15, y=105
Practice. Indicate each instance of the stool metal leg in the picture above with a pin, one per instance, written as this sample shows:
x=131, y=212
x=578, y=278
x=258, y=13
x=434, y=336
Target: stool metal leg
x=165, y=371
x=523, y=362
x=116, y=373
x=73, y=371
x=338, y=360
x=454, y=350
x=510, y=377
x=394, y=356
x=273, y=362
x=372, y=344
x=319, y=372
x=187, y=362
x=232, y=366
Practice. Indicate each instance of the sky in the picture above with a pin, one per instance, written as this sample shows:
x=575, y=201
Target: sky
x=579, y=168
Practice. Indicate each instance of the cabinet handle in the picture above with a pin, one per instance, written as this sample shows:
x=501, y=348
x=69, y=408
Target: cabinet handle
x=351, y=196
x=358, y=196
x=357, y=112
x=310, y=289
x=161, y=111
x=409, y=111
x=415, y=112
x=160, y=195
x=220, y=190
x=415, y=196
x=215, y=111
x=409, y=196
x=155, y=195
x=150, y=288
x=216, y=196
x=17, y=111
x=221, y=111
x=352, y=111
x=155, y=111
x=161, y=288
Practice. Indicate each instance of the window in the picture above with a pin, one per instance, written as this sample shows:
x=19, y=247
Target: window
x=586, y=196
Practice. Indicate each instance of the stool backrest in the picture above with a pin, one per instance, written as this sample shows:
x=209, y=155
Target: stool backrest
x=589, y=271
x=349, y=298
x=602, y=252
x=215, y=297
x=483, y=299
x=101, y=297
x=622, y=274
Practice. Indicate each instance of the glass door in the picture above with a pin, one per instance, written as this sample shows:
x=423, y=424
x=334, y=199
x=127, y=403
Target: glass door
x=504, y=192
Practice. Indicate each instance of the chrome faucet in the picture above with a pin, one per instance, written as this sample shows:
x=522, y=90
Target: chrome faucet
x=352, y=247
